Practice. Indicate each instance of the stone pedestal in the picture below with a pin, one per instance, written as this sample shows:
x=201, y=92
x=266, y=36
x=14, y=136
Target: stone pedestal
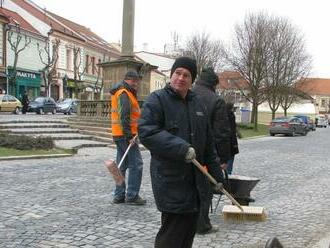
x=114, y=71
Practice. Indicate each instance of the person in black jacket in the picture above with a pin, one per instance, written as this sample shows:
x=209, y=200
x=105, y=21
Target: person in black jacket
x=233, y=136
x=174, y=126
x=25, y=102
x=217, y=112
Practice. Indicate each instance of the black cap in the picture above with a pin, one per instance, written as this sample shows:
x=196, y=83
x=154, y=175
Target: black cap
x=133, y=75
x=209, y=77
x=187, y=63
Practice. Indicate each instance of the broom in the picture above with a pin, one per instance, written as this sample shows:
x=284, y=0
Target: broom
x=235, y=212
x=114, y=169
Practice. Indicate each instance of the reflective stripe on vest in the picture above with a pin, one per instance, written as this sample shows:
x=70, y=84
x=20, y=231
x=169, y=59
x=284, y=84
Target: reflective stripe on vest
x=117, y=128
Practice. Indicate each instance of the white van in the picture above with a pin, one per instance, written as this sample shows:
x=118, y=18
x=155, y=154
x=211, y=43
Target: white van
x=321, y=121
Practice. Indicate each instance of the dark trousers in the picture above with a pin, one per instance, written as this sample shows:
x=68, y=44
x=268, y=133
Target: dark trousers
x=177, y=230
x=204, y=223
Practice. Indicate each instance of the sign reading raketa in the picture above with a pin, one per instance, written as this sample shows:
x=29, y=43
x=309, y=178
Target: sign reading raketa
x=26, y=74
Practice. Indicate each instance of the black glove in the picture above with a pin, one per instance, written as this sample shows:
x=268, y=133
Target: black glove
x=218, y=188
x=190, y=155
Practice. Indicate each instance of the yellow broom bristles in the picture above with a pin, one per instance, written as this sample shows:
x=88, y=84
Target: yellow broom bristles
x=231, y=212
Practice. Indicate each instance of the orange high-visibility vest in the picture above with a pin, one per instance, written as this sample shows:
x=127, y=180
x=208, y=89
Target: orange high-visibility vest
x=117, y=128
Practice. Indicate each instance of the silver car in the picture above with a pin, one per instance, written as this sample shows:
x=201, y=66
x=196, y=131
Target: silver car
x=287, y=125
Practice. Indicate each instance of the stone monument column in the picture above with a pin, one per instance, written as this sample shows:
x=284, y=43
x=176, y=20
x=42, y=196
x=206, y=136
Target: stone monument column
x=128, y=28
x=114, y=71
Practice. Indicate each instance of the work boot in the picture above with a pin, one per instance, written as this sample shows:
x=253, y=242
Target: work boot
x=118, y=200
x=136, y=201
x=213, y=229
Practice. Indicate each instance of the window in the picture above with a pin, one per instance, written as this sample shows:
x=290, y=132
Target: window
x=323, y=103
x=69, y=59
x=93, y=65
x=87, y=64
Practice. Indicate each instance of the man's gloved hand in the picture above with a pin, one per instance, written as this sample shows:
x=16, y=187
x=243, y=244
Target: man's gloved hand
x=190, y=155
x=218, y=188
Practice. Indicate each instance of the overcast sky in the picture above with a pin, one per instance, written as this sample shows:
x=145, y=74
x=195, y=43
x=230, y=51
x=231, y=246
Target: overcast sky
x=155, y=20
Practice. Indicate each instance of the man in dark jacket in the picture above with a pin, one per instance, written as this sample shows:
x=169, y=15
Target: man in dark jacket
x=216, y=109
x=25, y=102
x=125, y=112
x=233, y=136
x=175, y=128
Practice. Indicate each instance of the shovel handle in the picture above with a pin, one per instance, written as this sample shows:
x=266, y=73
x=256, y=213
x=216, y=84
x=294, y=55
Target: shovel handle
x=212, y=180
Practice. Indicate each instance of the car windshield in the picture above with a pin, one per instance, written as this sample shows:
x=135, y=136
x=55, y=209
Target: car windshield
x=39, y=99
x=281, y=119
x=65, y=101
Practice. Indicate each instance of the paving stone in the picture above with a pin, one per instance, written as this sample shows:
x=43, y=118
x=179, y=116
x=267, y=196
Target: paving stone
x=67, y=201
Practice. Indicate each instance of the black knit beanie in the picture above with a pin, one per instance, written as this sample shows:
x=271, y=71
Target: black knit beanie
x=209, y=77
x=187, y=63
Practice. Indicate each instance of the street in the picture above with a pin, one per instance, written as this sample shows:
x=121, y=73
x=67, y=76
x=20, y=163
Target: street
x=66, y=202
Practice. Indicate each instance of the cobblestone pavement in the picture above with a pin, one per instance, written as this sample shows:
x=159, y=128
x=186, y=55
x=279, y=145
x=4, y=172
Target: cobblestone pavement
x=66, y=202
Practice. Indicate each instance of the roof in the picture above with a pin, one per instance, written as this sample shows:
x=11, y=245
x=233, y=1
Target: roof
x=41, y=15
x=232, y=80
x=315, y=86
x=163, y=62
x=15, y=19
x=90, y=37
x=65, y=26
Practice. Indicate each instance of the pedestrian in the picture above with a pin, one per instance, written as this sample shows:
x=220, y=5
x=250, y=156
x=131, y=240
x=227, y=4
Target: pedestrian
x=125, y=112
x=25, y=102
x=217, y=112
x=233, y=136
x=174, y=127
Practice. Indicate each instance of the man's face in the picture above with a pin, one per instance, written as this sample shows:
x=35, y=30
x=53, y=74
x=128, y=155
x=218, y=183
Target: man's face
x=133, y=83
x=181, y=81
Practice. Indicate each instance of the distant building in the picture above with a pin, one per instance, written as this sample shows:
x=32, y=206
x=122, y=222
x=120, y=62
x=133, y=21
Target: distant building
x=28, y=78
x=79, y=53
x=319, y=90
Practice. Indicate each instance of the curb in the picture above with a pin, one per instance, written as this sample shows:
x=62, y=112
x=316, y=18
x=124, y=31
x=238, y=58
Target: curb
x=36, y=156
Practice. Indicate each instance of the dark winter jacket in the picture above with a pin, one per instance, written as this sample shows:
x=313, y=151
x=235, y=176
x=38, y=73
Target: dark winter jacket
x=168, y=126
x=216, y=108
x=233, y=136
x=125, y=108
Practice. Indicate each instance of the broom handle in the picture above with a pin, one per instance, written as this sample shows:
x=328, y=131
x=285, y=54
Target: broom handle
x=212, y=180
x=127, y=150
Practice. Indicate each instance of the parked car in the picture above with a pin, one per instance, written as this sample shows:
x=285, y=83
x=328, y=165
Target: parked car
x=308, y=121
x=9, y=103
x=321, y=121
x=287, y=125
x=42, y=105
x=67, y=106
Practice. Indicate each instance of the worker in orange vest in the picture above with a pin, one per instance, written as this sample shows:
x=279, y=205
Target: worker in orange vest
x=125, y=112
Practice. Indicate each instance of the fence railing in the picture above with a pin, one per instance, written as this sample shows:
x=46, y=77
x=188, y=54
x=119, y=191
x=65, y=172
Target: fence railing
x=96, y=108
x=99, y=108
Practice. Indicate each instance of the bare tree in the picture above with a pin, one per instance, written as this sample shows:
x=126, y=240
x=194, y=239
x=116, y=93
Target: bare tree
x=79, y=69
x=248, y=55
x=205, y=51
x=287, y=63
x=49, y=57
x=18, y=42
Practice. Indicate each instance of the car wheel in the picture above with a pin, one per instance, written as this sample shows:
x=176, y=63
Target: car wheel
x=272, y=134
x=54, y=111
x=41, y=111
x=16, y=111
x=304, y=133
x=293, y=133
x=70, y=112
